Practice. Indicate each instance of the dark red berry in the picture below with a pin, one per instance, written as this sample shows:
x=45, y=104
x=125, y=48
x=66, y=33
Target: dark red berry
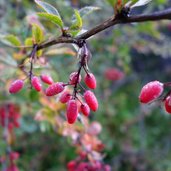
x=91, y=100
x=35, y=81
x=90, y=80
x=65, y=97
x=72, y=111
x=85, y=109
x=167, y=104
x=73, y=78
x=16, y=86
x=151, y=91
x=54, y=89
x=46, y=79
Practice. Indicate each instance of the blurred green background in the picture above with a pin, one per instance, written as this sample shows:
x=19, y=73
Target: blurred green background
x=136, y=137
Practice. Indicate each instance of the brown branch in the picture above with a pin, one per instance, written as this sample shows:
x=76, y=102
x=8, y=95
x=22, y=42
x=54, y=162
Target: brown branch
x=162, y=15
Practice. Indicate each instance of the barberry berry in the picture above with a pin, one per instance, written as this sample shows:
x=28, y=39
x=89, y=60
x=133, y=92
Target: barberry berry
x=167, y=104
x=90, y=80
x=71, y=165
x=72, y=111
x=35, y=82
x=91, y=100
x=65, y=97
x=151, y=91
x=73, y=78
x=54, y=89
x=46, y=79
x=16, y=86
x=85, y=109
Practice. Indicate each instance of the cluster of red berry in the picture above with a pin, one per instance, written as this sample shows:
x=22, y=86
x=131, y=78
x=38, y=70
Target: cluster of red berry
x=17, y=85
x=79, y=165
x=13, y=156
x=9, y=116
x=75, y=104
x=153, y=91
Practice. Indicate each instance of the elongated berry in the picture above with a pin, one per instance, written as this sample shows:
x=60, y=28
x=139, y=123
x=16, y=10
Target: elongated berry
x=46, y=79
x=72, y=111
x=54, y=89
x=91, y=100
x=65, y=97
x=73, y=78
x=35, y=82
x=16, y=86
x=167, y=104
x=151, y=91
x=85, y=109
x=90, y=80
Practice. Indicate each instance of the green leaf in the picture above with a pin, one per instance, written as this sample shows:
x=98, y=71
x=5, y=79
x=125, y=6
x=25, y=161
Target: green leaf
x=137, y=3
x=53, y=18
x=11, y=40
x=37, y=33
x=48, y=8
x=77, y=22
x=87, y=10
x=29, y=41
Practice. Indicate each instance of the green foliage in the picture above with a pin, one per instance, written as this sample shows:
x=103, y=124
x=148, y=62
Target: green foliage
x=11, y=40
x=53, y=18
x=37, y=35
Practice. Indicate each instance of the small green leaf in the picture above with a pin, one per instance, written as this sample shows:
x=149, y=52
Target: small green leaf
x=53, y=18
x=77, y=22
x=87, y=10
x=37, y=33
x=29, y=41
x=48, y=8
x=12, y=40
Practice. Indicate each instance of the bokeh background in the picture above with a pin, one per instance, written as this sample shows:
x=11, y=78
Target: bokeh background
x=124, y=58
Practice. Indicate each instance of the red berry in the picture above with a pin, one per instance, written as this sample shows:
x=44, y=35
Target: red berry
x=71, y=165
x=65, y=97
x=46, y=79
x=91, y=100
x=74, y=77
x=85, y=109
x=151, y=91
x=90, y=81
x=35, y=81
x=54, y=89
x=16, y=86
x=72, y=111
x=14, y=156
x=167, y=104
x=113, y=74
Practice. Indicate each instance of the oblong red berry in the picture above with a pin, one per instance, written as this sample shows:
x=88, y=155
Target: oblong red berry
x=167, y=104
x=85, y=109
x=91, y=100
x=65, y=97
x=35, y=82
x=151, y=91
x=16, y=86
x=73, y=78
x=54, y=89
x=46, y=79
x=90, y=80
x=72, y=111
